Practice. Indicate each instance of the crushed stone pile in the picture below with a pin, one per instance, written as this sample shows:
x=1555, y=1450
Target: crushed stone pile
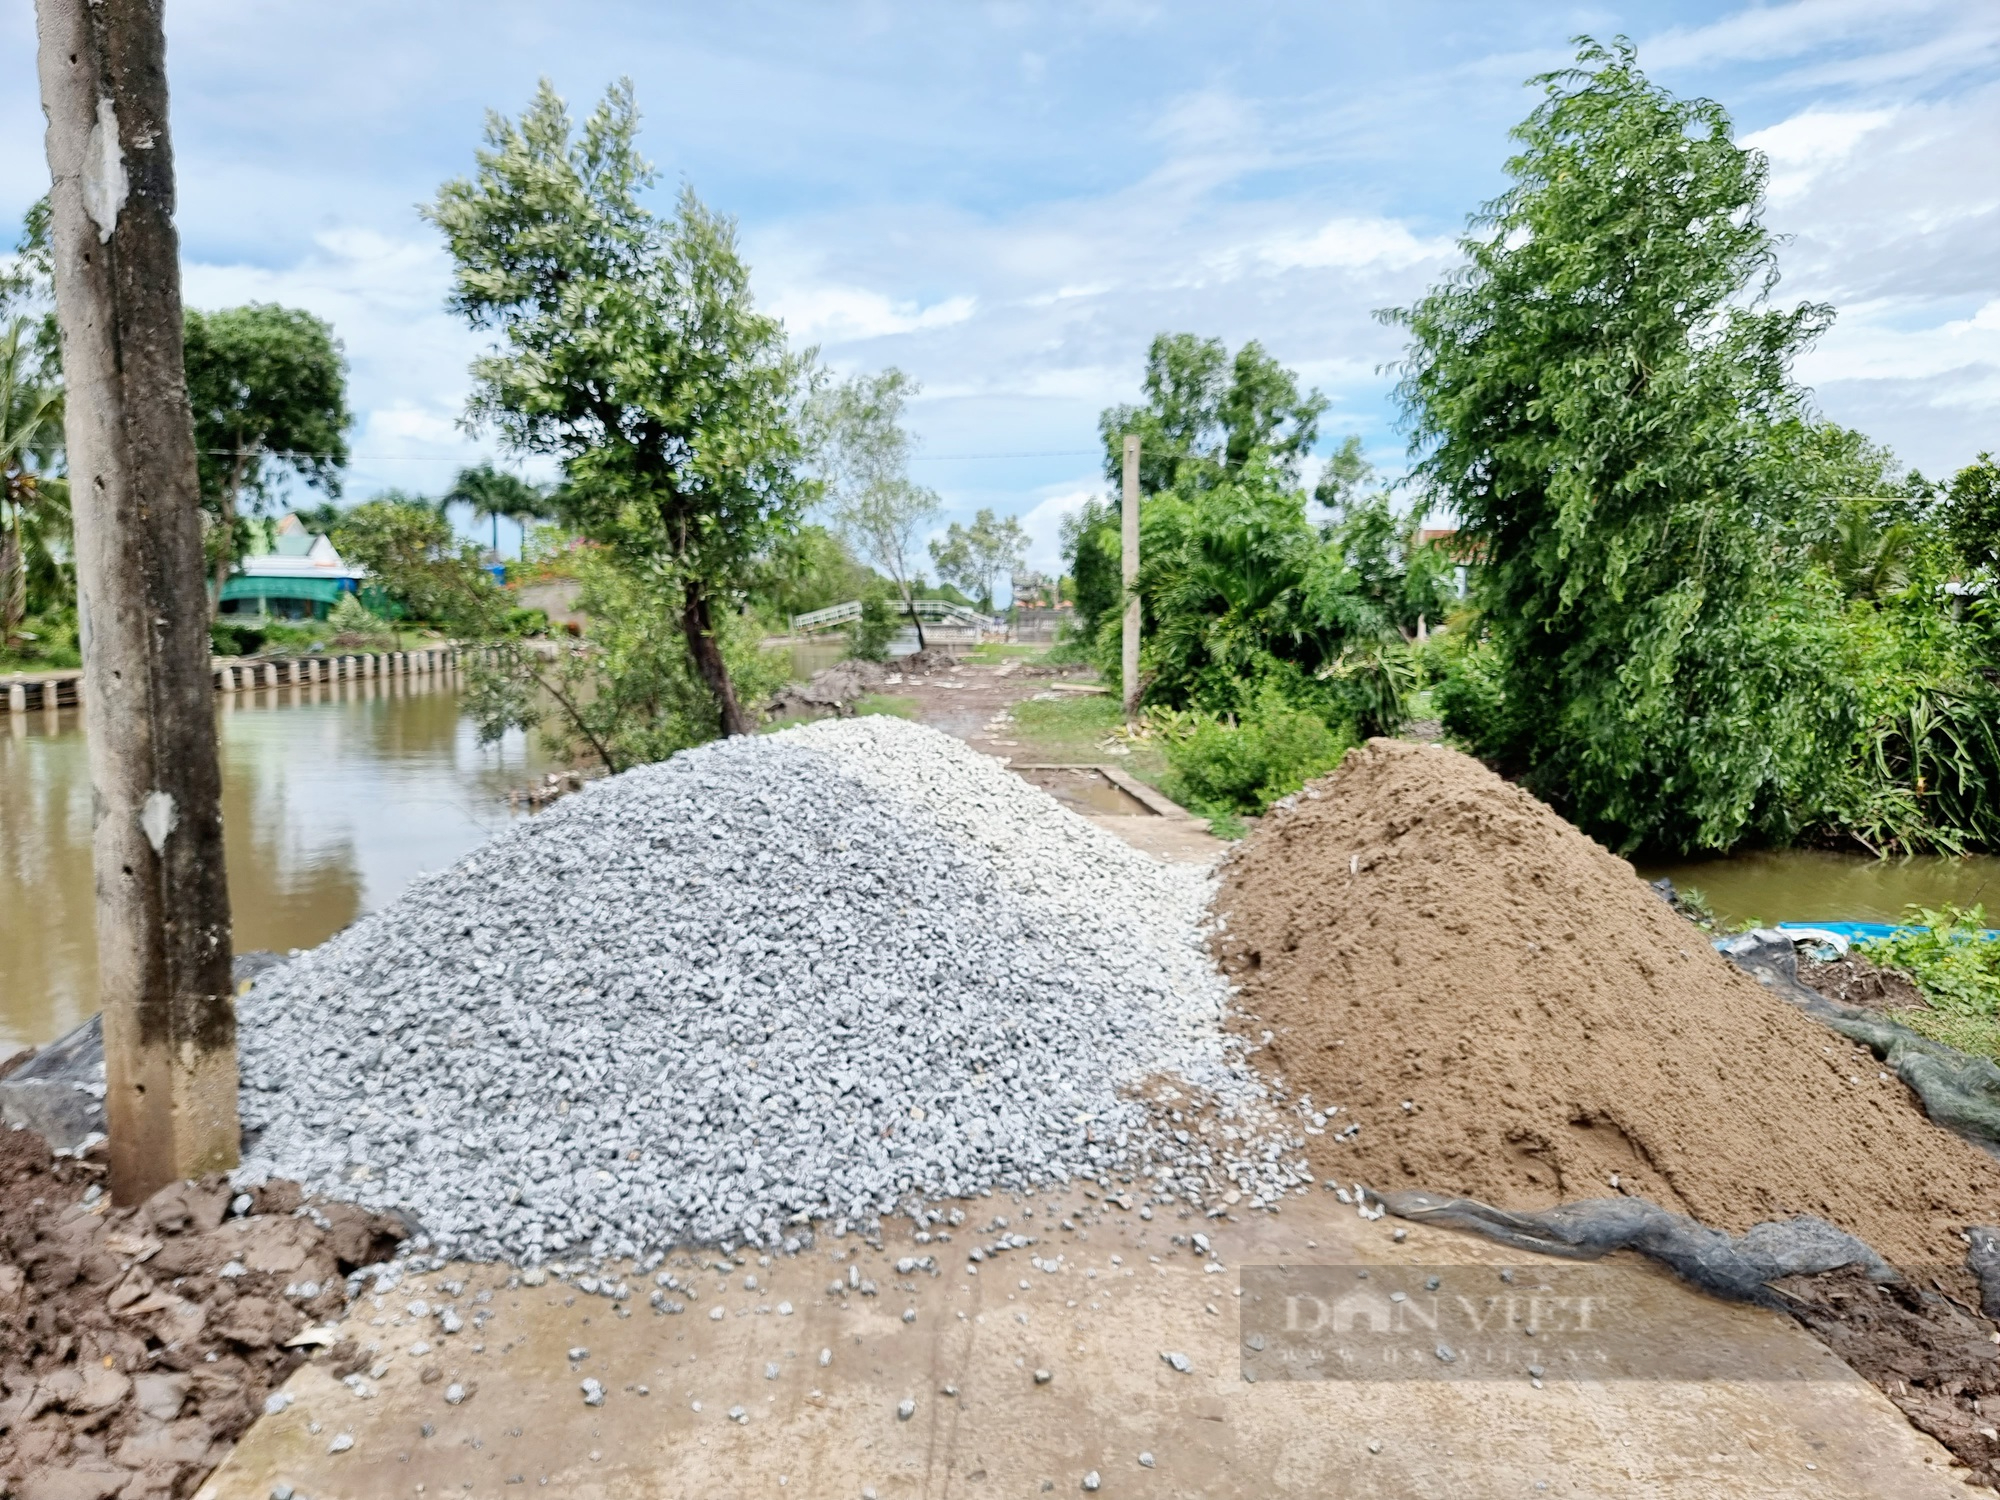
x=1479, y=1000
x=823, y=974
x=137, y=1344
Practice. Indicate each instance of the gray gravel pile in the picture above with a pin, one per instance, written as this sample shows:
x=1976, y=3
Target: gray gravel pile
x=825, y=974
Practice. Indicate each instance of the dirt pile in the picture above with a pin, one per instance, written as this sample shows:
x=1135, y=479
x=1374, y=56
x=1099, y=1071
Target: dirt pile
x=1856, y=981
x=137, y=1344
x=1506, y=1012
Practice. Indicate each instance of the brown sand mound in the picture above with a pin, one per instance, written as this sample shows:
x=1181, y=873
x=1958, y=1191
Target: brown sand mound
x=1509, y=1013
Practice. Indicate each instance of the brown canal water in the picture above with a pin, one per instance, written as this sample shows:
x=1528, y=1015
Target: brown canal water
x=1815, y=885
x=334, y=796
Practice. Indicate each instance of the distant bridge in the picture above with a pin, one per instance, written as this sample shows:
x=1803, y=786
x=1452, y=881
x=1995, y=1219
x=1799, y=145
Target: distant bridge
x=942, y=611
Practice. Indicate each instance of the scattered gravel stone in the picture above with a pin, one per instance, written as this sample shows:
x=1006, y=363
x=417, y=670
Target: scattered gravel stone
x=906, y=1409
x=1043, y=1377
x=341, y=1442
x=1145, y=1460
x=1091, y=1480
x=830, y=973
x=593, y=1392
x=455, y=1394
x=1177, y=1360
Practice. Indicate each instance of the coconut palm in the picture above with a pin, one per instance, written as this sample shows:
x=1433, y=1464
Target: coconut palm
x=34, y=513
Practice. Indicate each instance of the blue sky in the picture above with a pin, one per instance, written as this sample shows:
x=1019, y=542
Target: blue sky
x=1008, y=200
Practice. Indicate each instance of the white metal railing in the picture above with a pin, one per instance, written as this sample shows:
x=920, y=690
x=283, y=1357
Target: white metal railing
x=931, y=609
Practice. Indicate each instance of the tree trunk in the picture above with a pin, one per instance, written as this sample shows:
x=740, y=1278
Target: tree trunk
x=163, y=938
x=225, y=555
x=705, y=652
x=13, y=576
x=910, y=609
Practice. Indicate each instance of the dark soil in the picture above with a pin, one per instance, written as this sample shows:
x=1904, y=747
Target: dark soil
x=1926, y=1350
x=137, y=1344
x=1856, y=981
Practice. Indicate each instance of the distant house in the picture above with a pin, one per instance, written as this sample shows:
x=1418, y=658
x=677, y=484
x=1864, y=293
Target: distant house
x=299, y=577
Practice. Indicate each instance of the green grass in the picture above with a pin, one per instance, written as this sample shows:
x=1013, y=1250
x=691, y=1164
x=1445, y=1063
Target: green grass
x=992, y=653
x=886, y=703
x=1073, y=730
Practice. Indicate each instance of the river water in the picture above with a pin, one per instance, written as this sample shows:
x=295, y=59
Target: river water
x=334, y=797
x=1816, y=885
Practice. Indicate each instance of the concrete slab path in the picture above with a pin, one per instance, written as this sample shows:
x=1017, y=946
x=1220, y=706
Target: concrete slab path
x=786, y=1388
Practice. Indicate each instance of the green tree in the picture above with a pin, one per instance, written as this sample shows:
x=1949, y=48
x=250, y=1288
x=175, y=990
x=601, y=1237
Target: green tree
x=268, y=387
x=1205, y=414
x=414, y=557
x=808, y=569
x=27, y=290
x=1972, y=513
x=626, y=694
x=631, y=350
x=1204, y=418
x=1603, y=396
x=972, y=557
x=34, y=515
x=865, y=454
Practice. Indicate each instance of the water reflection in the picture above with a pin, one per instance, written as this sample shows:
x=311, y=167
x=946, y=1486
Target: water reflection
x=334, y=796
x=1817, y=885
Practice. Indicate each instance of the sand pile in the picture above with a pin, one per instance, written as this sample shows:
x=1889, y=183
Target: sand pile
x=1507, y=1012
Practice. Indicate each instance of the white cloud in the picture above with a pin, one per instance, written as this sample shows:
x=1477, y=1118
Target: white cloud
x=1350, y=244
x=849, y=314
x=1808, y=144
x=1043, y=523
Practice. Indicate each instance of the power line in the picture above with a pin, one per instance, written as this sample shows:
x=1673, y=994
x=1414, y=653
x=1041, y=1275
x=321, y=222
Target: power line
x=446, y=458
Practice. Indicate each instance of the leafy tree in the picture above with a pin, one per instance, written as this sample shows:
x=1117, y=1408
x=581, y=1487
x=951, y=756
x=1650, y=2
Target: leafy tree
x=628, y=693
x=1603, y=397
x=492, y=494
x=268, y=387
x=1345, y=473
x=34, y=514
x=27, y=290
x=415, y=558
x=806, y=570
x=869, y=637
x=1203, y=420
x=631, y=350
x=973, y=556
x=1205, y=415
x=1972, y=513
x=875, y=506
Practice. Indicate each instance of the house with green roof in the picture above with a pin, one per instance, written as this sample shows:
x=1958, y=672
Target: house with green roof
x=293, y=574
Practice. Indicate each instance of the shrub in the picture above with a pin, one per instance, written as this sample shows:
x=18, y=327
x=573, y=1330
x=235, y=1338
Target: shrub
x=869, y=638
x=230, y=639
x=1219, y=767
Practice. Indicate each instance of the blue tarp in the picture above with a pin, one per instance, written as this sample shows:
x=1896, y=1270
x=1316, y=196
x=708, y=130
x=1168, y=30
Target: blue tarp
x=1862, y=932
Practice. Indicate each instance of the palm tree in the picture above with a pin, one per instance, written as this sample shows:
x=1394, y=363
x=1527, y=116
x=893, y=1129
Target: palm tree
x=30, y=439
x=493, y=494
x=1868, y=558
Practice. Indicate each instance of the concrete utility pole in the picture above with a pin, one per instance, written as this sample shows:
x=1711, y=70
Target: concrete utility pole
x=1128, y=511
x=163, y=940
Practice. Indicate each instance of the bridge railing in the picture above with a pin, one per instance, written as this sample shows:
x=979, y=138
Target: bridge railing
x=942, y=610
